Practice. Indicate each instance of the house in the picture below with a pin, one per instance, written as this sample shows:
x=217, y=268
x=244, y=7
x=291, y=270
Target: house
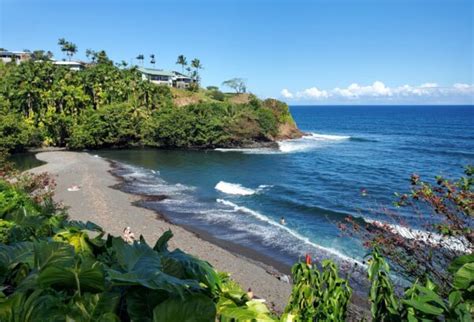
x=181, y=80
x=165, y=77
x=16, y=56
x=72, y=65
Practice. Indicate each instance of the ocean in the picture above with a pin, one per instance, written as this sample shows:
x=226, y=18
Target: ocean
x=350, y=162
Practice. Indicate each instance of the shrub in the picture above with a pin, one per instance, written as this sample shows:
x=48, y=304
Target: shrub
x=217, y=95
x=15, y=133
x=317, y=295
x=267, y=121
x=112, y=125
x=53, y=271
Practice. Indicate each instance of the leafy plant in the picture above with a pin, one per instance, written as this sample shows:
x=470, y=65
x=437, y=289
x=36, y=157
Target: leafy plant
x=318, y=295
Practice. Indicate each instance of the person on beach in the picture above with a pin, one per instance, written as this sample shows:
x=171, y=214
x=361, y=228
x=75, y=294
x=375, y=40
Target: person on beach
x=128, y=236
x=282, y=221
x=74, y=188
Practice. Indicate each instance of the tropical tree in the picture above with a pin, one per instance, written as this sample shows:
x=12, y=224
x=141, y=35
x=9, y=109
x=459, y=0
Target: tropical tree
x=237, y=84
x=91, y=54
x=67, y=47
x=152, y=59
x=140, y=58
x=182, y=61
x=39, y=55
x=196, y=64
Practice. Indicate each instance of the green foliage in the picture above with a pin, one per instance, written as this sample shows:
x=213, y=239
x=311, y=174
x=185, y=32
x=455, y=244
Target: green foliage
x=384, y=304
x=267, y=121
x=15, y=133
x=318, y=295
x=217, y=95
x=61, y=274
x=235, y=305
x=421, y=302
x=107, y=106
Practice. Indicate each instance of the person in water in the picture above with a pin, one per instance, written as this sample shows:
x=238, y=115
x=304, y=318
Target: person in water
x=282, y=221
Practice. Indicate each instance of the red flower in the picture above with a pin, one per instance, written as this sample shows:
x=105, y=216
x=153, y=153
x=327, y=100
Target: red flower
x=308, y=259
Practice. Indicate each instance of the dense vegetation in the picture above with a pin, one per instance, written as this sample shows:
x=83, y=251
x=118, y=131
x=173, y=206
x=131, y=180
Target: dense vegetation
x=107, y=105
x=55, y=269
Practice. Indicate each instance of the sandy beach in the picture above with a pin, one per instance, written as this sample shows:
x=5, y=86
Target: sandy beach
x=112, y=209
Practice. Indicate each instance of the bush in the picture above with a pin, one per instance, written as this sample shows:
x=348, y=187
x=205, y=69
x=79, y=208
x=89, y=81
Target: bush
x=217, y=95
x=267, y=121
x=15, y=133
x=112, y=125
x=53, y=271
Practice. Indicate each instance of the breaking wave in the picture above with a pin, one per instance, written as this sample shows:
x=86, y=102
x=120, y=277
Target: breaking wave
x=282, y=228
x=238, y=189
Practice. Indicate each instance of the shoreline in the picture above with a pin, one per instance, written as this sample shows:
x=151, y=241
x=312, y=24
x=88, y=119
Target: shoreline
x=100, y=200
x=272, y=266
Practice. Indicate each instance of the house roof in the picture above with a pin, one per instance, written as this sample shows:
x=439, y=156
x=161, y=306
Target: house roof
x=66, y=63
x=156, y=72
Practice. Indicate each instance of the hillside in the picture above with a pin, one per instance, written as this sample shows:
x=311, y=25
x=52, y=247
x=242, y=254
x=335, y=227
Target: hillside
x=43, y=104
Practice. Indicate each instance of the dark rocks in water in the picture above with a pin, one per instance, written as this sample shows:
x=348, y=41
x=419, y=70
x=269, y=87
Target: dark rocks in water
x=153, y=197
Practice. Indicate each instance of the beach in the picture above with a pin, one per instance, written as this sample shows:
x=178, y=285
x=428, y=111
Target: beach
x=99, y=201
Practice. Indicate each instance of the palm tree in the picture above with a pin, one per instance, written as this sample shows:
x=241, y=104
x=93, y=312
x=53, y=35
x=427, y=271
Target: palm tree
x=63, y=44
x=141, y=58
x=71, y=49
x=67, y=47
x=196, y=64
x=152, y=59
x=181, y=61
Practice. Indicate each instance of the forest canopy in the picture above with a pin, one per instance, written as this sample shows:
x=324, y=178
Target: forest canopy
x=110, y=105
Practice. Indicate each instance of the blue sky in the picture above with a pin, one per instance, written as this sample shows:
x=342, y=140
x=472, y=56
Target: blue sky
x=306, y=52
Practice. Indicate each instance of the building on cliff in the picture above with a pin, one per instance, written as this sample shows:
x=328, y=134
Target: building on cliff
x=165, y=77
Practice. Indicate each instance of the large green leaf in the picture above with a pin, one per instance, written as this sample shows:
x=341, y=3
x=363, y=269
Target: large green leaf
x=76, y=238
x=460, y=261
x=194, y=308
x=464, y=277
x=142, y=301
x=140, y=265
x=83, y=226
x=129, y=254
x=84, y=275
x=161, y=244
x=423, y=307
x=52, y=253
x=12, y=255
x=94, y=307
x=184, y=266
x=40, y=305
x=253, y=310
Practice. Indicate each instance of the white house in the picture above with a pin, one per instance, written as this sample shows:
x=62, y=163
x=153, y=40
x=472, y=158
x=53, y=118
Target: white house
x=72, y=65
x=165, y=77
x=16, y=56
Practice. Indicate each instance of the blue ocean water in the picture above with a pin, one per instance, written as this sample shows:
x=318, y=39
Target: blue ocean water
x=351, y=161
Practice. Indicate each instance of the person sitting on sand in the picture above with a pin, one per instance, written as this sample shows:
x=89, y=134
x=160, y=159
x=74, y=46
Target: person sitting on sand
x=282, y=221
x=74, y=188
x=128, y=236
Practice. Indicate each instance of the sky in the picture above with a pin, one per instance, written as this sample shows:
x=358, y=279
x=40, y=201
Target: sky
x=304, y=52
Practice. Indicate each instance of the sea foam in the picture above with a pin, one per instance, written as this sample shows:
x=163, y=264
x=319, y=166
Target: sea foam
x=267, y=220
x=234, y=189
x=309, y=142
x=448, y=242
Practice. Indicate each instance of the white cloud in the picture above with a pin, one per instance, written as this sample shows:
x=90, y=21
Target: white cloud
x=429, y=85
x=379, y=92
x=313, y=92
x=355, y=90
x=286, y=93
